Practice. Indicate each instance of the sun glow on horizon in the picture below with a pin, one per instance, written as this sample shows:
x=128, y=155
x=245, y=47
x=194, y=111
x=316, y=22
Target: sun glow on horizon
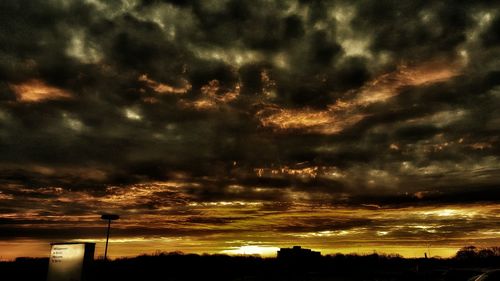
x=265, y=251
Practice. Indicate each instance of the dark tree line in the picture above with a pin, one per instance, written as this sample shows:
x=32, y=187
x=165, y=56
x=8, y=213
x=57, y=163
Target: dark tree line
x=472, y=252
x=162, y=266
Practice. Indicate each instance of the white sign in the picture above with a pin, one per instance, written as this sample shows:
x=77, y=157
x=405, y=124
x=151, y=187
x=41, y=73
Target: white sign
x=67, y=261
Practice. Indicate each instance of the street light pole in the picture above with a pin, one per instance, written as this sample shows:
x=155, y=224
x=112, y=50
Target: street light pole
x=107, y=239
x=109, y=218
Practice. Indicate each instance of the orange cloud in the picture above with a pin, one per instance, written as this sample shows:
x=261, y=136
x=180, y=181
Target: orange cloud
x=312, y=121
x=212, y=96
x=36, y=90
x=388, y=85
x=162, y=88
x=345, y=113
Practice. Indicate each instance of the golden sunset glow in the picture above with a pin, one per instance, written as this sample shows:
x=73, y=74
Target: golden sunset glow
x=180, y=224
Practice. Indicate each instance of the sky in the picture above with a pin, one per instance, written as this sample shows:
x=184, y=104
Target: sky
x=238, y=127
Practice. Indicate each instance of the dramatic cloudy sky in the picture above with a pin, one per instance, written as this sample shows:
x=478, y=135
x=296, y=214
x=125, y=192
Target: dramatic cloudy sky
x=241, y=126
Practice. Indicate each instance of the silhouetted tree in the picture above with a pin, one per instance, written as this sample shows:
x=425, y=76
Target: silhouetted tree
x=472, y=252
x=467, y=252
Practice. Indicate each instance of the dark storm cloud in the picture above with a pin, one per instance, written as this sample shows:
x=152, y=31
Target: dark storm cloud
x=491, y=37
x=465, y=194
x=415, y=30
x=71, y=232
x=387, y=103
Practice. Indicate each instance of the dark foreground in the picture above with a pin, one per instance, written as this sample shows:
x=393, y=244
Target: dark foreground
x=174, y=266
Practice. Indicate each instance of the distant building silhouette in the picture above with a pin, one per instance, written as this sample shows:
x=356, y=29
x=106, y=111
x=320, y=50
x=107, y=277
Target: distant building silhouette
x=297, y=252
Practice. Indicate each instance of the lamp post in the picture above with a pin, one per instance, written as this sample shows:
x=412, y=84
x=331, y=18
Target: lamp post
x=110, y=218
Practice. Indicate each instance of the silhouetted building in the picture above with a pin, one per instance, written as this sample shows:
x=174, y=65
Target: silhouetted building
x=297, y=252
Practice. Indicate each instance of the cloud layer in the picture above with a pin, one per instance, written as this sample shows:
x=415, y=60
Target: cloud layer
x=171, y=109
